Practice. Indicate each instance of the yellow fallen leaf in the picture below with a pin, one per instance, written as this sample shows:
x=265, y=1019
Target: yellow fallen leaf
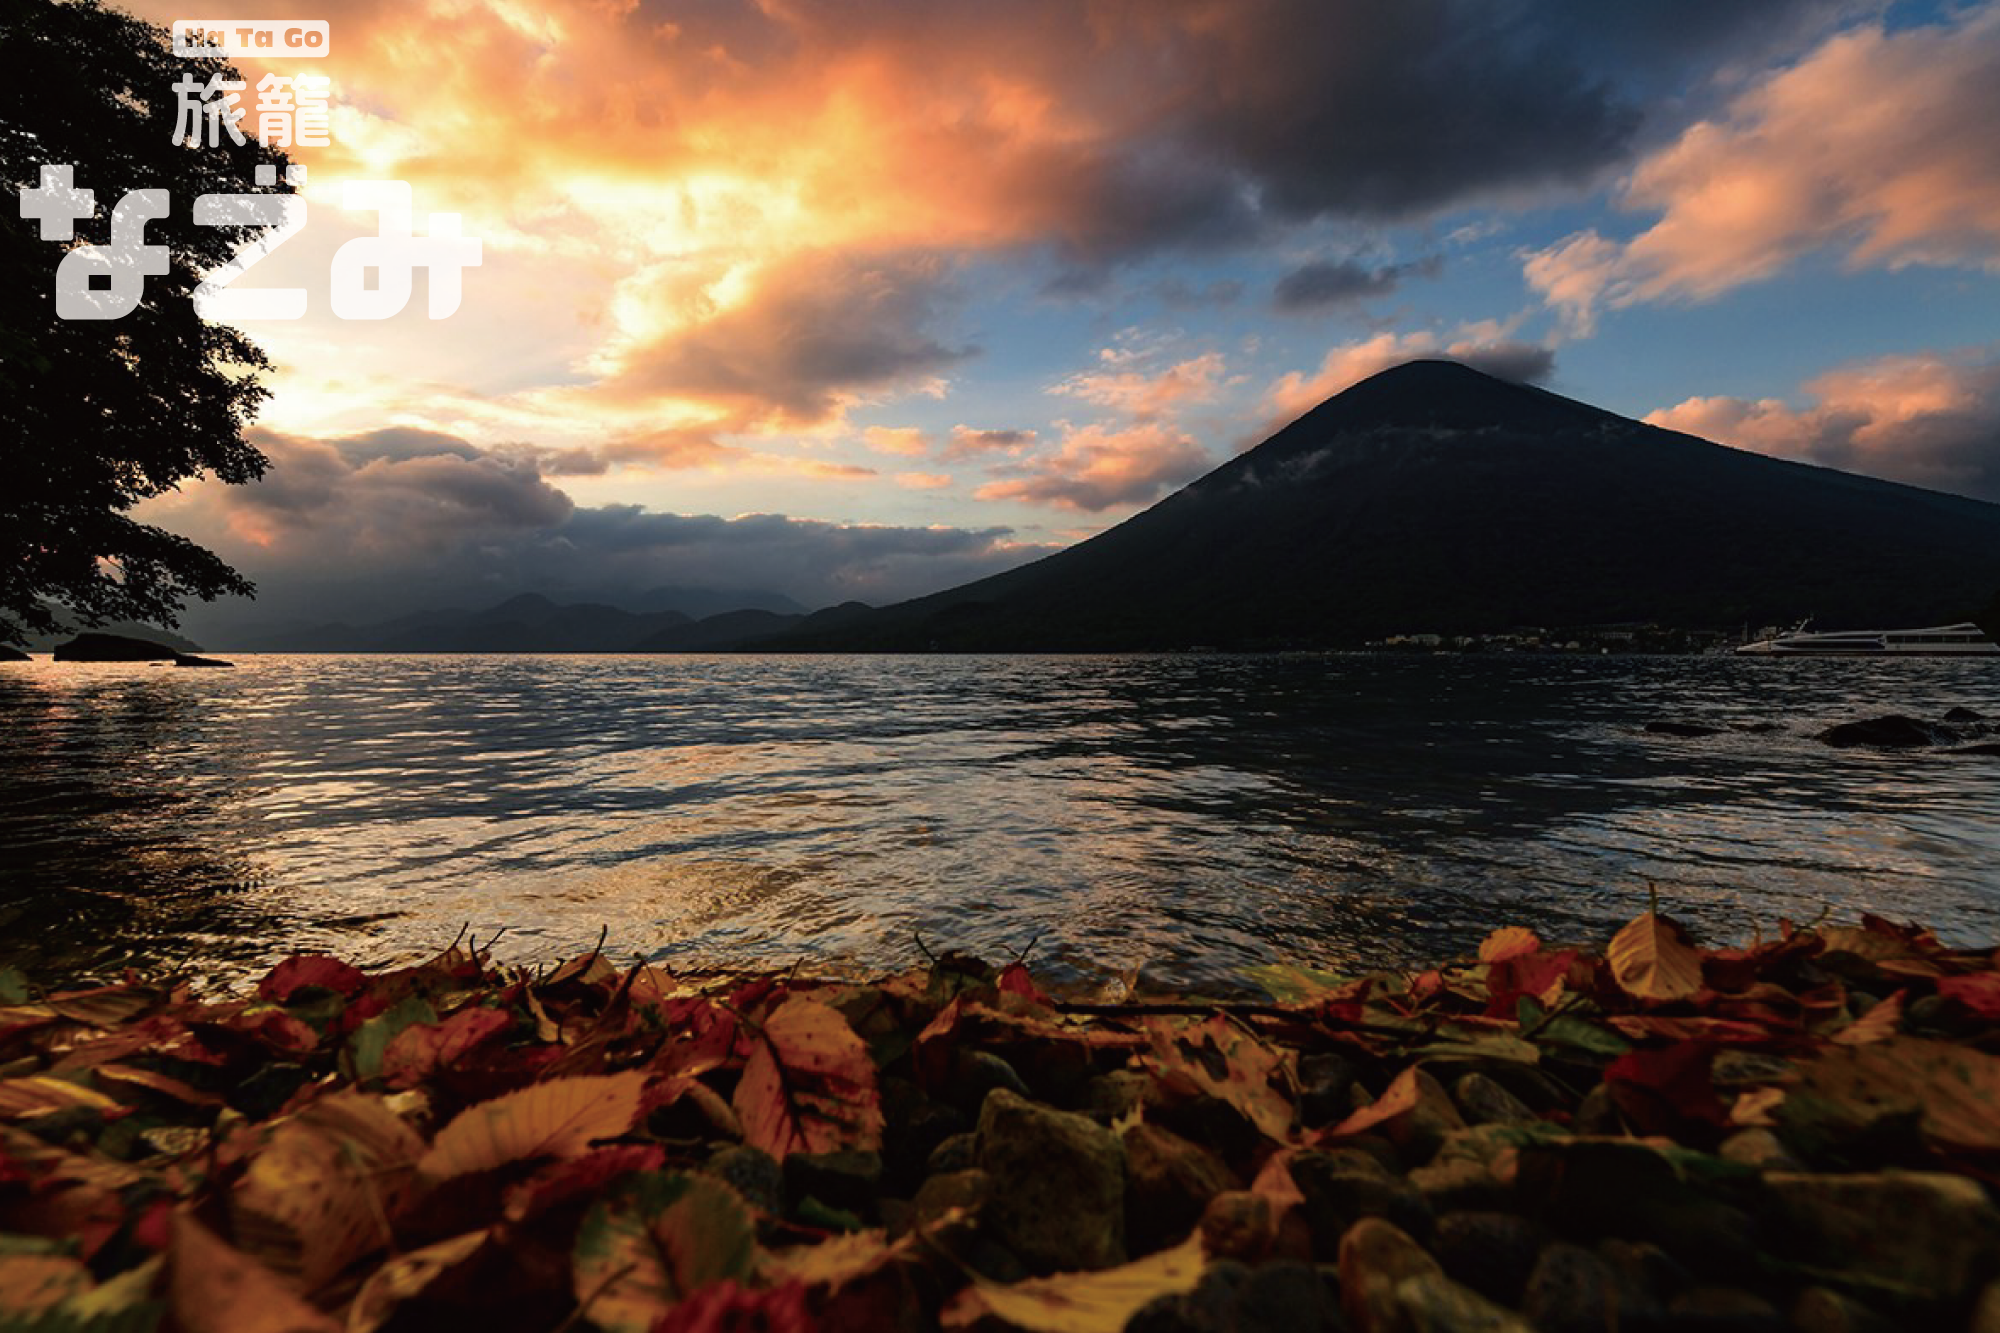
x=33, y=1283
x=407, y=1276
x=560, y=1118
x=1652, y=960
x=1080, y=1302
x=1508, y=942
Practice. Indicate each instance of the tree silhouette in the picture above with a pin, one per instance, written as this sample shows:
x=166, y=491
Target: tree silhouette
x=98, y=415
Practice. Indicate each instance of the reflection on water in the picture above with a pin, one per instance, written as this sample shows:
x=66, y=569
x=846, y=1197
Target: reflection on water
x=1180, y=816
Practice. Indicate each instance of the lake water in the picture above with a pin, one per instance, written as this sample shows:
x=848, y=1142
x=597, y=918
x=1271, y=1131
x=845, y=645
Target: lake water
x=1174, y=818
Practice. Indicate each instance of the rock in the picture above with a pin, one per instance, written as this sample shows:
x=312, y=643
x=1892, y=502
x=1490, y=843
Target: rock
x=976, y=1073
x=1116, y=1095
x=1597, y=1113
x=1376, y=1257
x=96, y=647
x=1759, y=1148
x=1059, y=1184
x=191, y=660
x=1723, y=1310
x=1623, y=1188
x=1239, y=1224
x=9, y=653
x=1431, y=1304
x=1341, y=1190
x=1168, y=1183
x=1418, y=1132
x=922, y=1123
x=1484, y=1102
x=1758, y=728
x=1665, y=728
x=1326, y=1087
x=850, y=1181
x=1986, y=747
x=1490, y=1252
x=966, y=1190
x=1892, y=732
x=1281, y=1297
x=1986, y=1314
x=752, y=1172
x=1933, y=1232
x=956, y=1152
x=1451, y=1184
x=1571, y=1290
x=1209, y=1308
x=1822, y=1310
x=1647, y=1276
x=1964, y=715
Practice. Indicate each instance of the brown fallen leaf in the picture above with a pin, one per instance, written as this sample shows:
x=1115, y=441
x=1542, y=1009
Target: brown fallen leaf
x=809, y=1085
x=1508, y=942
x=213, y=1288
x=1217, y=1058
x=559, y=1118
x=407, y=1276
x=325, y=1187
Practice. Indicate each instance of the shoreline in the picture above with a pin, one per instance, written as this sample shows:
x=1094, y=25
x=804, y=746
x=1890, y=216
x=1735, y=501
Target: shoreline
x=1803, y=1132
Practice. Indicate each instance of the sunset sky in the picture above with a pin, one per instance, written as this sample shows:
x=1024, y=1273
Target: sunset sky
x=865, y=299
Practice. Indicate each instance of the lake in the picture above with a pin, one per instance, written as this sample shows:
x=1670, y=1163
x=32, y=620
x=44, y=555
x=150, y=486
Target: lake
x=1169, y=819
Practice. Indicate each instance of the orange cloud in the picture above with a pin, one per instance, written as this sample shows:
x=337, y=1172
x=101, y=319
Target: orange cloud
x=904, y=441
x=1101, y=467
x=1297, y=392
x=1931, y=421
x=923, y=481
x=1878, y=144
x=1145, y=396
x=967, y=442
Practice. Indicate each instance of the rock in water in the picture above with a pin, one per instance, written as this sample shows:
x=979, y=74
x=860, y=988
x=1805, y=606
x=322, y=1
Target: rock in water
x=1894, y=732
x=96, y=647
x=1059, y=1184
x=9, y=653
x=192, y=660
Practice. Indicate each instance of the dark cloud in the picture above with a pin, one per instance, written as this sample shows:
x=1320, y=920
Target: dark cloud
x=327, y=537
x=966, y=442
x=815, y=325
x=1324, y=283
x=1523, y=363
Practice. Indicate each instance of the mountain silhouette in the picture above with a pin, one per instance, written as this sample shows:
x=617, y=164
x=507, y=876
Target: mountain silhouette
x=1432, y=497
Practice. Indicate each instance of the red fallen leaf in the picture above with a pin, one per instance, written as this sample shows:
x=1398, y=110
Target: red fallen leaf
x=810, y=1084
x=726, y=1307
x=275, y=1027
x=580, y=1178
x=711, y=1038
x=1667, y=1089
x=1912, y=934
x=1348, y=1005
x=423, y=1049
x=1689, y=1027
x=1014, y=980
x=934, y=1045
x=1530, y=974
x=1979, y=992
x=309, y=969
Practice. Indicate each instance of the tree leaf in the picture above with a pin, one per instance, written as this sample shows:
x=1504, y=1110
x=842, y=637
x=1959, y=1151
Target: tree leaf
x=559, y=1118
x=1955, y=1090
x=1099, y=1302
x=809, y=1085
x=654, y=1242
x=1217, y=1058
x=325, y=1187
x=1652, y=960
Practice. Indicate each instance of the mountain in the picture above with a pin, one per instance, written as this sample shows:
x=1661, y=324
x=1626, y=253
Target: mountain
x=1432, y=497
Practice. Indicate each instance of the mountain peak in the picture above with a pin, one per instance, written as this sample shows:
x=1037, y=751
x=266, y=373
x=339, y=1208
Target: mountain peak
x=1442, y=394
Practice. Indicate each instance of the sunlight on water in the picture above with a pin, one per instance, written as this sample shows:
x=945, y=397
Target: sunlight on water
x=1177, y=818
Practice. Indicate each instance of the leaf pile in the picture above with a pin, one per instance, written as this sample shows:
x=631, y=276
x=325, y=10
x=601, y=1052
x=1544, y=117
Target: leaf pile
x=1801, y=1133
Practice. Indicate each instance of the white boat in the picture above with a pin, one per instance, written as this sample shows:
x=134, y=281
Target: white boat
x=1964, y=639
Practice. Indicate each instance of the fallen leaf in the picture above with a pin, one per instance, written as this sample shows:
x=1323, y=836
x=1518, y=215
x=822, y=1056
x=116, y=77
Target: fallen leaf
x=40, y=1094
x=1099, y=1302
x=1953, y=1090
x=405, y=1277
x=1508, y=942
x=1651, y=959
x=1880, y=1021
x=310, y=969
x=1979, y=992
x=31, y=1284
x=1217, y=1058
x=655, y=1241
x=422, y=1049
x=325, y=1187
x=809, y=1085
x=559, y=1118
x=213, y=1288
x=728, y=1307
x=1400, y=1097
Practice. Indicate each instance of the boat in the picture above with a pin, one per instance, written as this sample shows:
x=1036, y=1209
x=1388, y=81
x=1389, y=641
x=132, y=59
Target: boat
x=1964, y=639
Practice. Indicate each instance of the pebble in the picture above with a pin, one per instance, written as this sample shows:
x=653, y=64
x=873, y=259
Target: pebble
x=1059, y=1184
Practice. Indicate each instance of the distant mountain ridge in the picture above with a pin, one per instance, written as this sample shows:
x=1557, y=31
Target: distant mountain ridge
x=534, y=623
x=1432, y=497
